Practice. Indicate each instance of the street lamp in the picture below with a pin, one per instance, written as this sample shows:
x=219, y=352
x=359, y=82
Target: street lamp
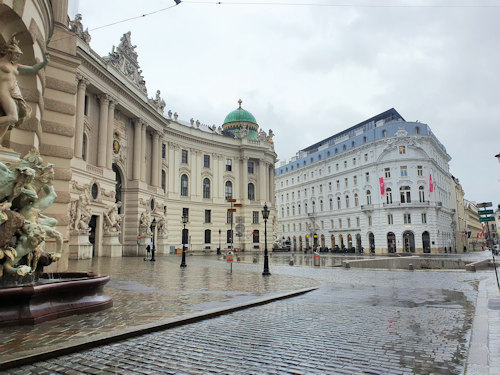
x=153, y=228
x=184, y=239
x=265, y=215
x=218, y=249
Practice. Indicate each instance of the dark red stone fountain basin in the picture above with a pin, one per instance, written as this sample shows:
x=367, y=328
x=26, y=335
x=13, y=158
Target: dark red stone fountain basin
x=62, y=295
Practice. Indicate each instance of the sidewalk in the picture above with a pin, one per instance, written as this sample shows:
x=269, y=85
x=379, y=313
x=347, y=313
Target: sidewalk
x=484, y=350
x=146, y=295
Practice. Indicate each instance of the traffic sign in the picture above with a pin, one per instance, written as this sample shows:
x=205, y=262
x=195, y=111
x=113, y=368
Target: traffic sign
x=485, y=204
x=485, y=212
x=490, y=218
x=231, y=210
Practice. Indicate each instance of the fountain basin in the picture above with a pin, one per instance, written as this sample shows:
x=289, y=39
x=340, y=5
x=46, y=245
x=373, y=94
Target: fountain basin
x=62, y=294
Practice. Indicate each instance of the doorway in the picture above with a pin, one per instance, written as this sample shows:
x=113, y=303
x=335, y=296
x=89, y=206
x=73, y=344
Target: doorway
x=92, y=234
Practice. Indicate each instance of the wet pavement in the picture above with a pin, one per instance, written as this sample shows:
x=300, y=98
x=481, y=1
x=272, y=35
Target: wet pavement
x=358, y=321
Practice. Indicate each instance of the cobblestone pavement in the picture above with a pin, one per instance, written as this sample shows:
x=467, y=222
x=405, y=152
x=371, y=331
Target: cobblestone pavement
x=146, y=292
x=358, y=322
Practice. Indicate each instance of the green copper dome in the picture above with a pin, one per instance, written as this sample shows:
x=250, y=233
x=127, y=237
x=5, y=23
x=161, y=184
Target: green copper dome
x=240, y=115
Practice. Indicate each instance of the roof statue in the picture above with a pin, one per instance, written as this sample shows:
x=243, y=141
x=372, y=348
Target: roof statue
x=124, y=58
x=159, y=103
x=77, y=27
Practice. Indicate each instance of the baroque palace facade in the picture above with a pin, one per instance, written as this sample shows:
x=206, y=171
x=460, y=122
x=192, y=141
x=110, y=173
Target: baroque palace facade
x=381, y=186
x=120, y=162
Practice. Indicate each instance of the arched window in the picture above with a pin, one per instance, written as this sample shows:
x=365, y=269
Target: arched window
x=346, y=201
x=282, y=211
x=421, y=195
x=305, y=208
x=417, y=130
x=298, y=206
x=331, y=204
x=339, y=206
x=388, y=195
x=84, y=147
x=251, y=191
x=405, y=194
x=293, y=210
x=314, y=206
x=206, y=188
x=321, y=205
x=368, y=197
x=287, y=211
x=184, y=185
x=229, y=190
x=163, y=180
x=384, y=133
x=356, y=200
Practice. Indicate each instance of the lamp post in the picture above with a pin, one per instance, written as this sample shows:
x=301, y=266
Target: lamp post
x=265, y=215
x=153, y=229
x=184, y=238
x=218, y=249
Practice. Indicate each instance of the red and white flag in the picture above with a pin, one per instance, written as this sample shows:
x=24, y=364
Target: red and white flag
x=382, y=186
x=431, y=185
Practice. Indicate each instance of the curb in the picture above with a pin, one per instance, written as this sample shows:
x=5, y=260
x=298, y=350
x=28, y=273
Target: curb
x=29, y=357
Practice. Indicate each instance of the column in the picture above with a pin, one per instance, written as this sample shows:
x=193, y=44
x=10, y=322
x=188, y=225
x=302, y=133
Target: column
x=109, y=143
x=270, y=183
x=143, y=152
x=160, y=159
x=244, y=178
x=171, y=167
x=263, y=181
x=103, y=130
x=155, y=162
x=137, y=149
x=80, y=108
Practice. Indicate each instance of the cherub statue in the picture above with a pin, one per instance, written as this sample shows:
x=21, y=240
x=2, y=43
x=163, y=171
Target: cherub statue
x=15, y=109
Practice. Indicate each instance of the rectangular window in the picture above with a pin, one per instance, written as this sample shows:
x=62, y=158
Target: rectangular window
x=340, y=223
x=346, y=182
x=330, y=186
x=345, y=163
x=229, y=218
x=355, y=180
x=367, y=176
x=357, y=222
x=208, y=216
x=369, y=221
x=206, y=161
x=353, y=161
x=420, y=171
x=320, y=188
x=185, y=212
x=184, y=157
x=366, y=157
x=163, y=150
x=387, y=172
x=348, y=222
x=329, y=169
x=404, y=171
x=407, y=218
x=255, y=217
x=390, y=220
x=229, y=165
x=338, y=184
x=402, y=150
x=424, y=218
x=298, y=194
x=251, y=168
x=337, y=166
x=208, y=236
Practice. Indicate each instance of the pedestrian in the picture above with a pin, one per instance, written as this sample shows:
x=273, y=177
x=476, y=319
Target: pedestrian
x=148, y=250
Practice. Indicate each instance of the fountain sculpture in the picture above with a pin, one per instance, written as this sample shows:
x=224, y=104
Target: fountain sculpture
x=27, y=295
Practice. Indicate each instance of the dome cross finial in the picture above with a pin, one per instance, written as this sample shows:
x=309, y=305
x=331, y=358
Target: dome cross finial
x=239, y=102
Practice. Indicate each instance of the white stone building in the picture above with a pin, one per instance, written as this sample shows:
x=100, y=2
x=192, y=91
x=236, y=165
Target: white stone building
x=382, y=186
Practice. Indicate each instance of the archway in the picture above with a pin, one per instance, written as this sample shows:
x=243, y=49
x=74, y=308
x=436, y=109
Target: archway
x=371, y=242
x=307, y=241
x=426, y=242
x=294, y=243
x=359, y=249
x=92, y=234
x=323, y=245
x=332, y=238
x=118, y=188
x=341, y=240
x=408, y=242
x=391, y=242
x=300, y=243
x=349, y=241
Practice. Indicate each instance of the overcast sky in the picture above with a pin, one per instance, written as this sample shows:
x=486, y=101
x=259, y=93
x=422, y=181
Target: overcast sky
x=308, y=72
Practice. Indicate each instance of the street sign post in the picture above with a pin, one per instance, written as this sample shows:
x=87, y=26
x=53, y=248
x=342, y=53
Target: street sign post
x=485, y=212
x=488, y=218
x=485, y=204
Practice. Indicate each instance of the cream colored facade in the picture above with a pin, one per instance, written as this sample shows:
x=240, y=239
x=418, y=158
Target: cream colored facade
x=120, y=161
x=473, y=225
x=459, y=218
